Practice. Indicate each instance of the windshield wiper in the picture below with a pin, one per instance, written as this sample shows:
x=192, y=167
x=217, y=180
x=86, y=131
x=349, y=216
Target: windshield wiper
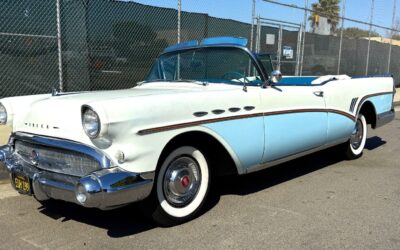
x=204, y=83
x=147, y=81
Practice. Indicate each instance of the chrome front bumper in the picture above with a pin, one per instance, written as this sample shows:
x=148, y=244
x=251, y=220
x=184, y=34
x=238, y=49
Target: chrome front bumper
x=106, y=188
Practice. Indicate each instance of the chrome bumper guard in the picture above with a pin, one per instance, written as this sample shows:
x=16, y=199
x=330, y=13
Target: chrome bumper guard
x=105, y=189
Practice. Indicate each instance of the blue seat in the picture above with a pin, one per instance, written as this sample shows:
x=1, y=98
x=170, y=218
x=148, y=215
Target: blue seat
x=297, y=81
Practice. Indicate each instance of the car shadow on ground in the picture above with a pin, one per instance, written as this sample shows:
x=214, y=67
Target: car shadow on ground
x=131, y=220
x=120, y=222
x=374, y=142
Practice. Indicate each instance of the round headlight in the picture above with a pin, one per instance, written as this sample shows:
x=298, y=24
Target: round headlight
x=3, y=115
x=90, y=123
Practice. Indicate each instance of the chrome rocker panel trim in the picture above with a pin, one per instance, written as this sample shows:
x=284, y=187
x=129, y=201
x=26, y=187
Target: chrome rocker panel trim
x=294, y=156
x=105, y=189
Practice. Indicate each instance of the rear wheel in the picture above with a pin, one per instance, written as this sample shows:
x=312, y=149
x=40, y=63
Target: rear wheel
x=181, y=187
x=356, y=144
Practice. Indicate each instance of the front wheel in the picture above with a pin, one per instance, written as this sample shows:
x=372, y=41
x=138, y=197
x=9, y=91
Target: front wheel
x=181, y=186
x=356, y=144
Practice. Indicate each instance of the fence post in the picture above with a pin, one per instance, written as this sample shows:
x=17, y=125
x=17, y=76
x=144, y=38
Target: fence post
x=179, y=38
x=341, y=37
x=253, y=16
x=369, y=35
x=179, y=20
x=279, y=54
x=391, y=36
x=298, y=48
x=304, y=37
x=59, y=48
x=258, y=35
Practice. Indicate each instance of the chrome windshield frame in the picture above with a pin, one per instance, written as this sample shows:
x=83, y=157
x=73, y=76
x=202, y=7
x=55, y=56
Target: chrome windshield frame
x=254, y=59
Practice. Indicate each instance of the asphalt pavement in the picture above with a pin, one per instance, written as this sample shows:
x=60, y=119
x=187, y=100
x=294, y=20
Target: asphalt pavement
x=320, y=201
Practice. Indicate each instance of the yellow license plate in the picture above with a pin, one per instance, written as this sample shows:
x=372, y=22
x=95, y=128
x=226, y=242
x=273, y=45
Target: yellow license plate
x=22, y=184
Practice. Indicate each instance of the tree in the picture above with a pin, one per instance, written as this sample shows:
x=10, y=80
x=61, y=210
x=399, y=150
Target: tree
x=326, y=8
x=354, y=32
x=396, y=26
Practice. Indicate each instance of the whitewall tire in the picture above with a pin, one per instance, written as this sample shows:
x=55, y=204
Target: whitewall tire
x=181, y=187
x=358, y=138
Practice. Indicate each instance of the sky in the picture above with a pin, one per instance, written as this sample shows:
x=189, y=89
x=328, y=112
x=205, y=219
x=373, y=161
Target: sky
x=241, y=10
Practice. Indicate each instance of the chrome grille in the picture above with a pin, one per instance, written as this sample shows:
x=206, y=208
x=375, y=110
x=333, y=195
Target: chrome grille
x=56, y=160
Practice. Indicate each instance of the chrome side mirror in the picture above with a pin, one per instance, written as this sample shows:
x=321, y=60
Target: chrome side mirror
x=276, y=76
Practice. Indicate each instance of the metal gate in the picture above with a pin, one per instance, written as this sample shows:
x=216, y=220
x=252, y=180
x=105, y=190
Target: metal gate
x=283, y=40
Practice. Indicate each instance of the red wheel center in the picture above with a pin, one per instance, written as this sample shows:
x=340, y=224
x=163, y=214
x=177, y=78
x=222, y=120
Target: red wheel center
x=185, y=181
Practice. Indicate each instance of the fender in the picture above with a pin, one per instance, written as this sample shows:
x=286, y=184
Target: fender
x=240, y=169
x=381, y=106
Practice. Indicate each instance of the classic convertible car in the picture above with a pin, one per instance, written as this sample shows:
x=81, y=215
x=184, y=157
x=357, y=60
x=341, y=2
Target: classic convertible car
x=207, y=108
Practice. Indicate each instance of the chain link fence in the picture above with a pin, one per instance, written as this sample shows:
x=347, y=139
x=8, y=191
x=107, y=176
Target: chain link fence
x=28, y=47
x=80, y=45
x=356, y=47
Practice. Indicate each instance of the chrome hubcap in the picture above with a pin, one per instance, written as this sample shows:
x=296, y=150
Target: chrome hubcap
x=181, y=181
x=357, y=135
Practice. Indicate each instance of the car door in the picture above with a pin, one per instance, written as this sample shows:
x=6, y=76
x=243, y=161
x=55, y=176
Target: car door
x=295, y=120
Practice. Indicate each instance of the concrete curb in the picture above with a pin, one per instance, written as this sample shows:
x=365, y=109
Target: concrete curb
x=397, y=108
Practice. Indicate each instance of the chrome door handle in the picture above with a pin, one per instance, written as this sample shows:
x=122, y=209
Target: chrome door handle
x=319, y=93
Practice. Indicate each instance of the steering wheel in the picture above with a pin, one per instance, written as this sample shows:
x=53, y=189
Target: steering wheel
x=235, y=73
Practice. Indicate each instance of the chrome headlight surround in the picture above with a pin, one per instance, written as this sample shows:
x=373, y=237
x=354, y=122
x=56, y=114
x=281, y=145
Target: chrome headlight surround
x=90, y=122
x=3, y=114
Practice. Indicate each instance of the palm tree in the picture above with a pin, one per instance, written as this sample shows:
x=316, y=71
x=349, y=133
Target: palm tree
x=326, y=8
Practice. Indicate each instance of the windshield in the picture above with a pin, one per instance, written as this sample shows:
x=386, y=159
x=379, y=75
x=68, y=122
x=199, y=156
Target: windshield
x=266, y=61
x=209, y=65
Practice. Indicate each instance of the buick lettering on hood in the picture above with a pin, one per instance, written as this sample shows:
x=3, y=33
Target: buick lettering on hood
x=207, y=108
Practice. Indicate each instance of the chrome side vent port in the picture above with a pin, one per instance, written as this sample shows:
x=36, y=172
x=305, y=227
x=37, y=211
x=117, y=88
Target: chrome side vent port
x=200, y=113
x=234, y=109
x=249, y=108
x=218, y=111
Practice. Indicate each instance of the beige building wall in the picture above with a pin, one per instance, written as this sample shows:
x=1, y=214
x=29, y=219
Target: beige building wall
x=384, y=40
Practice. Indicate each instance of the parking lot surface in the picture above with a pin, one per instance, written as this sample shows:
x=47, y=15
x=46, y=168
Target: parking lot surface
x=317, y=202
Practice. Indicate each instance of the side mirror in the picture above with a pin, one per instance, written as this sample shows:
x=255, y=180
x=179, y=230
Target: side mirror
x=276, y=76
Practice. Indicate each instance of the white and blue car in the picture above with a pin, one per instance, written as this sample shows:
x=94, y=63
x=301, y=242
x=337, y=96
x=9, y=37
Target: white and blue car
x=207, y=108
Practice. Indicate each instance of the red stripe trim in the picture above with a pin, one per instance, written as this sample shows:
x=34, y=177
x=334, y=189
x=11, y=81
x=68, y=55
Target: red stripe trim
x=237, y=117
x=350, y=116
x=191, y=124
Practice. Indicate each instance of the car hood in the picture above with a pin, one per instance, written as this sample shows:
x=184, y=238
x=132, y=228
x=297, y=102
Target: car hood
x=60, y=116
x=154, y=88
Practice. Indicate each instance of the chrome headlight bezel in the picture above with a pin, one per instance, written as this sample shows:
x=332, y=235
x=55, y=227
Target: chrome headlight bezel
x=90, y=122
x=3, y=114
